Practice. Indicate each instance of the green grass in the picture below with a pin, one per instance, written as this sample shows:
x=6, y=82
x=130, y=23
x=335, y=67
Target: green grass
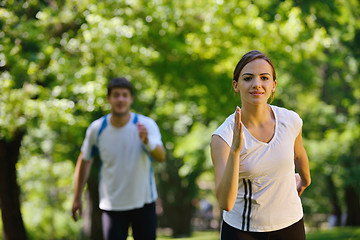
x=208, y=235
x=335, y=234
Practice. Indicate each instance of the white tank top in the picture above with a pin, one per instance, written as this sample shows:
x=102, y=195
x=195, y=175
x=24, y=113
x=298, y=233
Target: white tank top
x=267, y=198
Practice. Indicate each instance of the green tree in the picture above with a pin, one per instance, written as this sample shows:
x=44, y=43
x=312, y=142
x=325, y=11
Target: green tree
x=57, y=56
x=335, y=114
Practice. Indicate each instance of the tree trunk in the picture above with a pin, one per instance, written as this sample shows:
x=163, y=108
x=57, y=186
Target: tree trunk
x=92, y=214
x=13, y=226
x=179, y=216
x=176, y=199
x=353, y=206
x=334, y=200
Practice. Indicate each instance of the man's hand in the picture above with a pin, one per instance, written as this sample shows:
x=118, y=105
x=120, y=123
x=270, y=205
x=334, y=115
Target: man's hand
x=155, y=150
x=77, y=207
x=143, y=134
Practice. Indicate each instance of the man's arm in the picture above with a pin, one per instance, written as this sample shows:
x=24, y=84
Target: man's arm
x=156, y=151
x=82, y=171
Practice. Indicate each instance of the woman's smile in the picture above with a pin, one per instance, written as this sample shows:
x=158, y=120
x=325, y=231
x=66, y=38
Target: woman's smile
x=256, y=93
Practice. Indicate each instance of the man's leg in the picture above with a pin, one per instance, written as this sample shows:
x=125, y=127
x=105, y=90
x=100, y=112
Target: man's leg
x=115, y=225
x=144, y=222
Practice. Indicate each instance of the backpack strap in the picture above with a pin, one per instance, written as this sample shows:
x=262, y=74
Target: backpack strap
x=135, y=119
x=103, y=126
x=95, y=149
x=151, y=168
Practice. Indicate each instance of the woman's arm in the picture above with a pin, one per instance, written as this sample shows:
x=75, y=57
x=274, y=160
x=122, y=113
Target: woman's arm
x=226, y=165
x=303, y=180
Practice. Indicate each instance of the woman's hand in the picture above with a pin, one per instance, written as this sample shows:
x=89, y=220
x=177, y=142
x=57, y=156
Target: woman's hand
x=300, y=184
x=226, y=165
x=237, y=136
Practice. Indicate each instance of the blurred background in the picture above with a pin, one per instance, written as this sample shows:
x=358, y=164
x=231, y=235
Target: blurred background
x=57, y=56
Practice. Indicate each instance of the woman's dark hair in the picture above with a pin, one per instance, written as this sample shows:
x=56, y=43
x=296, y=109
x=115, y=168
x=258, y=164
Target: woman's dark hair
x=248, y=57
x=120, y=82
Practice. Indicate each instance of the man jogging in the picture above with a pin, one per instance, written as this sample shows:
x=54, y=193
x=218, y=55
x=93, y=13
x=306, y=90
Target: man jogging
x=126, y=143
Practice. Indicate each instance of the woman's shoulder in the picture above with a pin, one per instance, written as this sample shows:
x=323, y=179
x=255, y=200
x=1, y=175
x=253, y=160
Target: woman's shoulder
x=229, y=121
x=288, y=118
x=230, y=118
x=225, y=130
x=284, y=112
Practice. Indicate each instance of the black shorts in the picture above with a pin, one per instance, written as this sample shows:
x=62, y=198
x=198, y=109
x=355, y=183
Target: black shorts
x=142, y=221
x=293, y=232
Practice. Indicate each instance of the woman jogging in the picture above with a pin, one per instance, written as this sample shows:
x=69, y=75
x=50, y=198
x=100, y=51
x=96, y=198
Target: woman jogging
x=255, y=153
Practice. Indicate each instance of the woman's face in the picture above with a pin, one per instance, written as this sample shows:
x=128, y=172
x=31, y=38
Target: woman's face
x=256, y=82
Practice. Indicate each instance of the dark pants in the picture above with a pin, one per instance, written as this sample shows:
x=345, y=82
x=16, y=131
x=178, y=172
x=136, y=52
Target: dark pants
x=142, y=220
x=293, y=232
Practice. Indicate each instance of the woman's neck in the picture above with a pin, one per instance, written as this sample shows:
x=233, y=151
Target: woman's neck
x=256, y=115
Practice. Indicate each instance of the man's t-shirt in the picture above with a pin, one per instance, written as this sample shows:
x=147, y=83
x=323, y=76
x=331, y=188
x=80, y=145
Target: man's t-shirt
x=126, y=175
